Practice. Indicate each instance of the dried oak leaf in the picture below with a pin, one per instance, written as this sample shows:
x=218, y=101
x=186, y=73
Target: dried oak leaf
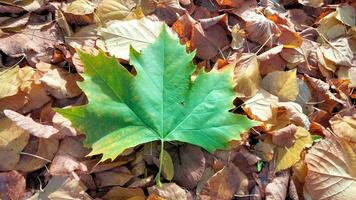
x=331, y=170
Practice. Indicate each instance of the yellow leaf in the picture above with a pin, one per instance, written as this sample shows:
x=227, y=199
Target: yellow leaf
x=287, y=157
x=282, y=84
x=260, y=106
x=247, y=78
x=168, y=168
x=9, y=82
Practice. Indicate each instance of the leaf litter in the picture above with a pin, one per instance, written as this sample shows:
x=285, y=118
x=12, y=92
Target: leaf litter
x=293, y=70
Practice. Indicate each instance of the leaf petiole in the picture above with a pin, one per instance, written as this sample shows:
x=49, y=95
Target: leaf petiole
x=161, y=158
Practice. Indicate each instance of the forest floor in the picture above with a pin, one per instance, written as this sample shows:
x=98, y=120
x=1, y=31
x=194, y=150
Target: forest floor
x=294, y=72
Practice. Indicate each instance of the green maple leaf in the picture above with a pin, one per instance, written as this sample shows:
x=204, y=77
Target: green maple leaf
x=161, y=102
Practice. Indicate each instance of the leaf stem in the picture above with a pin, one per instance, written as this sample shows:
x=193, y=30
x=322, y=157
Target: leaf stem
x=161, y=158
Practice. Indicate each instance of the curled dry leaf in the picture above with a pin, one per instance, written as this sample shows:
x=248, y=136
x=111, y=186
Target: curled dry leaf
x=12, y=185
x=331, y=170
x=13, y=141
x=32, y=127
x=287, y=157
x=169, y=191
x=282, y=84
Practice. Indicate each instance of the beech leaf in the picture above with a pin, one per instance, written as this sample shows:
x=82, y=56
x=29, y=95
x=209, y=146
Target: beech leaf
x=161, y=102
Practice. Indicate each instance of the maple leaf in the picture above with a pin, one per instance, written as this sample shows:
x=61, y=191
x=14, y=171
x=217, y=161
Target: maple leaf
x=161, y=102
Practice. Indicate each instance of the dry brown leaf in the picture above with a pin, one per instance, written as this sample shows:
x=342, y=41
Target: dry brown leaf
x=225, y=183
x=120, y=193
x=208, y=41
x=37, y=153
x=119, y=9
x=260, y=29
x=189, y=166
x=277, y=189
x=80, y=7
x=12, y=186
x=330, y=27
x=169, y=191
x=32, y=127
x=37, y=38
x=61, y=84
x=346, y=14
x=284, y=137
x=344, y=126
x=271, y=60
x=13, y=140
x=70, y=158
x=331, y=170
x=282, y=84
x=247, y=78
x=60, y=187
x=118, y=176
x=338, y=52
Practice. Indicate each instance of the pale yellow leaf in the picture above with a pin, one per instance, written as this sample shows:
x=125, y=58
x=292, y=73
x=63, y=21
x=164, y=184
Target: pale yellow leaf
x=338, y=52
x=344, y=127
x=331, y=170
x=346, y=14
x=167, y=168
x=119, y=10
x=260, y=106
x=330, y=27
x=9, y=82
x=282, y=84
x=120, y=35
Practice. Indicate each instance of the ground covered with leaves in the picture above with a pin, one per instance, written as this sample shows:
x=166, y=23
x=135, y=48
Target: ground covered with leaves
x=271, y=82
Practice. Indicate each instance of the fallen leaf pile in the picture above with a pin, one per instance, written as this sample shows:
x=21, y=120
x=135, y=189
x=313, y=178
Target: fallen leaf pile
x=294, y=72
